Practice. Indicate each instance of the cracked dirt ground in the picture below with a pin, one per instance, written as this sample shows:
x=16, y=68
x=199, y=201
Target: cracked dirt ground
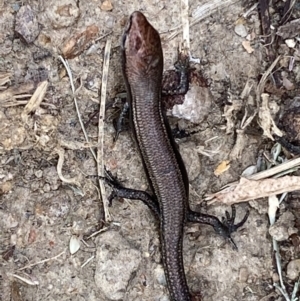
x=40, y=214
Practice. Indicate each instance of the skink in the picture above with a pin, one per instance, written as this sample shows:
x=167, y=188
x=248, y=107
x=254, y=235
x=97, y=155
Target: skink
x=142, y=62
x=142, y=69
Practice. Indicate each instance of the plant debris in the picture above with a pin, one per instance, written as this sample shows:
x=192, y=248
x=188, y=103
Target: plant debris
x=79, y=42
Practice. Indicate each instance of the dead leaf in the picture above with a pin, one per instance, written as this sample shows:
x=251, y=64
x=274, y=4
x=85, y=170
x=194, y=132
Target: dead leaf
x=9, y=98
x=32, y=236
x=229, y=114
x=273, y=206
x=252, y=169
x=35, y=100
x=79, y=42
x=4, y=79
x=222, y=167
x=247, y=46
x=266, y=121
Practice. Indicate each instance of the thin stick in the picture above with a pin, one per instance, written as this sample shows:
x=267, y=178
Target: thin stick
x=61, y=157
x=295, y=290
x=42, y=261
x=26, y=280
x=203, y=12
x=89, y=260
x=262, y=82
x=100, y=153
x=185, y=23
x=275, y=170
x=284, y=293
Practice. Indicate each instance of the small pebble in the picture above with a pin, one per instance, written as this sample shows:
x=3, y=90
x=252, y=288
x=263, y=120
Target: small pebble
x=243, y=275
x=27, y=26
x=291, y=43
x=293, y=269
x=241, y=30
x=284, y=227
x=275, y=277
x=106, y=6
x=160, y=275
x=38, y=173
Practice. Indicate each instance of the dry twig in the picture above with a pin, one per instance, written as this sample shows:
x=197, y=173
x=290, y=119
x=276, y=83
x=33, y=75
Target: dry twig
x=61, y=156
x=35, y=100
x=258, y=186
x=100, y=153
x=42, y=261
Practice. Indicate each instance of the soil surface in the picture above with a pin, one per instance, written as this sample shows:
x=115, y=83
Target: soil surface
x=55, y=241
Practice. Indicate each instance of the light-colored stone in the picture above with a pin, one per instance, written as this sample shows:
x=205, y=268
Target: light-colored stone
x=293, y=269
x=116, y=262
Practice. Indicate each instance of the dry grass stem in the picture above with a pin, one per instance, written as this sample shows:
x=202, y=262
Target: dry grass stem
x=25, y=280
x=100, y=153
x=87, y=261
x=61, y=153
x=35, y=100
x=247, y=190
x=262, y=82
x=185, y=23
x=257, y=185
x=42, y=261
x=266, y=121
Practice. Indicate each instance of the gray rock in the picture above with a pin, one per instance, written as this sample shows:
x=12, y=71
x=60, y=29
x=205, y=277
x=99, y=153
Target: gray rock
x=116, y=263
